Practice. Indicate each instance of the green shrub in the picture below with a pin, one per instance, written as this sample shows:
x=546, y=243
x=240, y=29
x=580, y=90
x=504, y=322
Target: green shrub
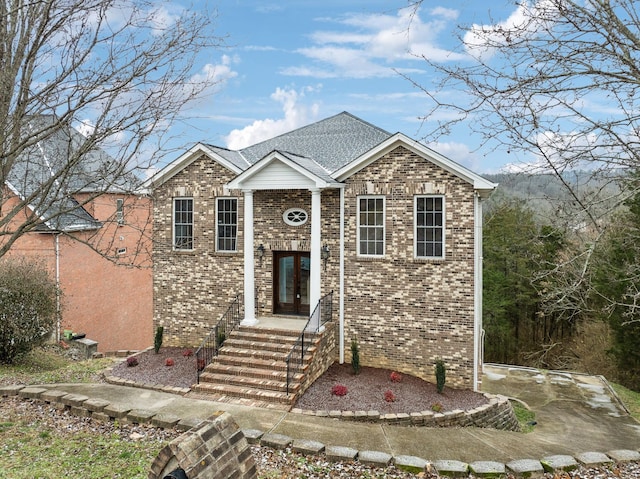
x=441, y=375
x=28, y=306
x=157, y=340
x=355, y=356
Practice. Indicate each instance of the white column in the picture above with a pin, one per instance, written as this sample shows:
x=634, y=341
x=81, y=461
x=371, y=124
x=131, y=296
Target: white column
x=249, y=278
x=316, y=245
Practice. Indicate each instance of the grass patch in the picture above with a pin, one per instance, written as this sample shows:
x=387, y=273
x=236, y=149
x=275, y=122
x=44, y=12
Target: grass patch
x=631, y=399
x=46, y=365
x=33, y=450
x=525, y=416
x=27, y=451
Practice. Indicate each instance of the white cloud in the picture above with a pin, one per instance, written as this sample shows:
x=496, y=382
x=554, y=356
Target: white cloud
x=458, y=152
x=373, y=45
x=296, y=114
x=526, y=21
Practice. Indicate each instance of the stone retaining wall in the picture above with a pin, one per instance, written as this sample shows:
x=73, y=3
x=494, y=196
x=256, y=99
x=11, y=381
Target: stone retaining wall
x=497, y=414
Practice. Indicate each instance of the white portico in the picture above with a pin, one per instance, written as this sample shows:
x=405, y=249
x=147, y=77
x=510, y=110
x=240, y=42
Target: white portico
x=282, y=171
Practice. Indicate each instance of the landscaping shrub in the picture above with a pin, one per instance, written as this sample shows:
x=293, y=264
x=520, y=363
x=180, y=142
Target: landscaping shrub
x=339, y=390
x=28, y=304
x=169, y=362
x=187, y=353
x=436, y=407
x=132, y=361
x=441, y=375
x=157, y=340
x=355, y=356
x=389, y=396
x=395, y=377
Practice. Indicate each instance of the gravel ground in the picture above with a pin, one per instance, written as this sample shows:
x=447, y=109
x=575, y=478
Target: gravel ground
x=152, y=368
x=366, y=392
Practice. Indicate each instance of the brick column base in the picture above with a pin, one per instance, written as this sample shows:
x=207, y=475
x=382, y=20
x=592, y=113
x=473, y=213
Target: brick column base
x=215, y=449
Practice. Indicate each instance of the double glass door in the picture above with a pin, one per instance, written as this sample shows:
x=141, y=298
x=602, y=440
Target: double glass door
x=291, y=282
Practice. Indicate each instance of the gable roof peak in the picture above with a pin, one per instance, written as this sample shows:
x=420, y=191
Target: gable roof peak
x=332, y=142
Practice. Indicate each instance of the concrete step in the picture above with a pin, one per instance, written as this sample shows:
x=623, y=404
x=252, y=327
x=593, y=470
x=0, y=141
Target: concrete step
x=258, y=363
x=248, y=371
x=259, y=395
x=258, y=344
x=249, y=382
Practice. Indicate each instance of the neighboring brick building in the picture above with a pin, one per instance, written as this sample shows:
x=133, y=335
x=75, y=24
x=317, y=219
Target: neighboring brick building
x=391, y=227
x=99, y=253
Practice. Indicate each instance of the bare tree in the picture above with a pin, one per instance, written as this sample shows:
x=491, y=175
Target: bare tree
x=88, y=89
x=557, y=88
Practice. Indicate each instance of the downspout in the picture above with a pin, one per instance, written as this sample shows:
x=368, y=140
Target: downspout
x=56, y=237
x=341, y=303
x=477, y=306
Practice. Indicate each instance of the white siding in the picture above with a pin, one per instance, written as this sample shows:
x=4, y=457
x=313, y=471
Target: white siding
x=277, y=175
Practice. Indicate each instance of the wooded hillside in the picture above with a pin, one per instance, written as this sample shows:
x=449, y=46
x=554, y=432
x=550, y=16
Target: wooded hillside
x=559, y=292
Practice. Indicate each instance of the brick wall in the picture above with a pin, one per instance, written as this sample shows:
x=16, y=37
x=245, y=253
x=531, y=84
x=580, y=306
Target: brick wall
x=405, y=313
x=192, y=289
x=105, y=295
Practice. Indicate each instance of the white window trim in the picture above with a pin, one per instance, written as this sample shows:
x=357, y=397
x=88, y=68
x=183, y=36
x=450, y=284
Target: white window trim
x=384, y=225
x=415, y=228
x=237, y=222
x=120, y=211
x=173, y=223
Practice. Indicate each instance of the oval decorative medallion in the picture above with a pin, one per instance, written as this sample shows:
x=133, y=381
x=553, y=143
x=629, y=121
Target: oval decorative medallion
x=295, y=216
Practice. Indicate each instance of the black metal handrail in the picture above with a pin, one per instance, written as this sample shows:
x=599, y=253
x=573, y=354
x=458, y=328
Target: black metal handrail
x=212, y=343
x=322, y=314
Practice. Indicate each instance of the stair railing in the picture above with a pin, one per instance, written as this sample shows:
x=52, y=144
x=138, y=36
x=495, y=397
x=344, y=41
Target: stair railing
x=322, y=313
x=213, y=342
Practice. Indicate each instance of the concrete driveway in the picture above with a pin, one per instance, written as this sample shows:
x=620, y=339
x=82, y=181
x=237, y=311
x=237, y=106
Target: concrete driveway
x=574, y=412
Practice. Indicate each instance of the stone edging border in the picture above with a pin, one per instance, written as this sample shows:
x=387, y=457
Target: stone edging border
x=497, y=413
x=103, y=410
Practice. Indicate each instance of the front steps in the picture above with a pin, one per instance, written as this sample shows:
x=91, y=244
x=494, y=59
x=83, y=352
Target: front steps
x=251, y=369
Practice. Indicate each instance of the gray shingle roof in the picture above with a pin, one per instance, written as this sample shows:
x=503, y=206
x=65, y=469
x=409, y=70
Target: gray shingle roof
x=233, y=157
x=32, y=173
x=331, y=143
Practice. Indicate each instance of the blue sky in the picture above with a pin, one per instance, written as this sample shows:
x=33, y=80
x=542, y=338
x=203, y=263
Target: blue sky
x=292, y=62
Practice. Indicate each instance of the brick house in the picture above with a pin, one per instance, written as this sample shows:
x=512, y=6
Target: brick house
x=95, y=242
x=389, y=226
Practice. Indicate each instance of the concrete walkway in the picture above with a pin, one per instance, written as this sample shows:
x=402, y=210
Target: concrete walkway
x=575, y=414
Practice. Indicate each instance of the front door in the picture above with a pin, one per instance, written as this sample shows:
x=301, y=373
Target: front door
x=291, y=282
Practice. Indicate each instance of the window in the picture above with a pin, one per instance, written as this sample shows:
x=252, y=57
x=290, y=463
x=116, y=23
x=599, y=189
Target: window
x=429, y=226
x=183, y=223
x=227, y=224
x=120, y=211
x=371, y=225
x=295, y=217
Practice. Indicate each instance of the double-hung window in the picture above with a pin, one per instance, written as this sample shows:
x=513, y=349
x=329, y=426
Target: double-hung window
x=183, y=223
x=371, y=225
x=227, y=224
x=429, y=226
